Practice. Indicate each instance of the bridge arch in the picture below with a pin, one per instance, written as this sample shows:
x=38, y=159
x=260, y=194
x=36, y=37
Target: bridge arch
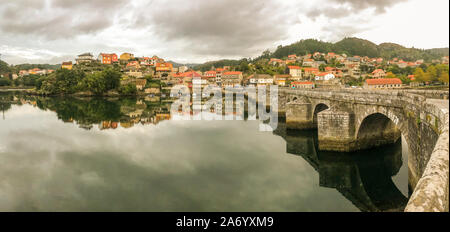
x=319, y=107
x=299, y=99
x=377, y=118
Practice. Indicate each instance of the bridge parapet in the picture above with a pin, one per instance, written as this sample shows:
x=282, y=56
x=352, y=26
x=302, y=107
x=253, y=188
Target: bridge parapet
x=431, y=193
x=359, y=119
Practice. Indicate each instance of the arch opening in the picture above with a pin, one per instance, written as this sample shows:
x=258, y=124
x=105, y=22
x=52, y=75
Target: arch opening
x=376, y=130
x=319, y=108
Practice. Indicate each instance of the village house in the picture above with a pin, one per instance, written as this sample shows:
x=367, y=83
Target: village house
x=302, y=85
x=295, y=71
x=134, y=73
x=260, y=80
x=140, y=84
x=275, y=62
x=183, y=69
x=232, y=78
x=107, y=58
x=200, y=81
x=310, y=72
x=289, y=61
x=210, y=74
x=219, y=72
x=308, y=62
x=378, y=73
x=324, y=76
x=282, y=79
x=85, y=58
x=317, y=64
x=126, y=56
x=65, y=65
x=23, y=73
x=186, y=78
x=163, y=69
x=292, y=57
x=383, y=83
x=133, y=65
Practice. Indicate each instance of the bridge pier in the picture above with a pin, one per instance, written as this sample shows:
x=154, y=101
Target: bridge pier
x=336, y=130
x=299, y=116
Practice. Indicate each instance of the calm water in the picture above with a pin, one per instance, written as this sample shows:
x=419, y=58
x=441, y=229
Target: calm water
x=63, y=154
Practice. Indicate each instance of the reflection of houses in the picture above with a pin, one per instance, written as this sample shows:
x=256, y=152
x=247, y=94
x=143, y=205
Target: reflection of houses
x=126, y=124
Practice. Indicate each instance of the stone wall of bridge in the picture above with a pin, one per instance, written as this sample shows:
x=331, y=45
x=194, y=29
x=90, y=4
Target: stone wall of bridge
x=360, y=119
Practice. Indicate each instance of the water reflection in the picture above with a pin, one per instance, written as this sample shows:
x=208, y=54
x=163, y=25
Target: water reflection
x=119, y=162
x=363, y=177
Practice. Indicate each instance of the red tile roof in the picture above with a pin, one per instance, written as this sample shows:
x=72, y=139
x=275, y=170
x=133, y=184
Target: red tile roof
x=302, y=83
x=294, y=67
x=377, y=71
x=384, y=81
x=232, y=73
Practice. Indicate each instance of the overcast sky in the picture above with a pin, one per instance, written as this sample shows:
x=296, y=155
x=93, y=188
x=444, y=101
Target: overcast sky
x=51, y=31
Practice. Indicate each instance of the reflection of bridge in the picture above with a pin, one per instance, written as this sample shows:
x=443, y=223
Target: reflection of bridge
x=350, y=120
x=365, y=180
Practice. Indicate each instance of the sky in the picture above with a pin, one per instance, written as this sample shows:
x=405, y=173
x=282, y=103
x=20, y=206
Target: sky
x=196, y=31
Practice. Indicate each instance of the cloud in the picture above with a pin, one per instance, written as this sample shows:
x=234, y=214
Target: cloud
x=335, y=9
x=379, y=5
x=57, y=19
x=228, y=28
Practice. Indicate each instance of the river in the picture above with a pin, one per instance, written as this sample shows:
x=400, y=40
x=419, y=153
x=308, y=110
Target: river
x=127, y=154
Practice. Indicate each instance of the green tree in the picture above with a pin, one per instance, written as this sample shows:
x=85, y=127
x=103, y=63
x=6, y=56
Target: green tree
x=5, y=81
x=95, y=83
x=322, y=67
x=431, y=74
x=419, y=75
x=390, y=75
x=111, y=78
x=444, y=78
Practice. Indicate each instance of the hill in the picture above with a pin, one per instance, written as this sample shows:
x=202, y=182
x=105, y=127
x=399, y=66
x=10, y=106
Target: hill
x=4, y=67
x=360, y=47
x=177, y=65
x=31, y=66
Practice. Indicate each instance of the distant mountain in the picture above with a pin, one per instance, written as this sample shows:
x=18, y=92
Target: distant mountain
x=360, y=47
x=217, y=64
x=176, y=65
x=31, y=66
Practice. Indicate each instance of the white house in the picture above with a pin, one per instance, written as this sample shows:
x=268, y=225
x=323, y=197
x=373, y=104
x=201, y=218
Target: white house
x=325, y=77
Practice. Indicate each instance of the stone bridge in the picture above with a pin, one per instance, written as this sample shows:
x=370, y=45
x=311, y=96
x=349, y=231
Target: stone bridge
x=350, y=120
x=364, y=179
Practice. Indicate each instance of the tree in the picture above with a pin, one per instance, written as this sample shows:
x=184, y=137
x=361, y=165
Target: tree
x=322, y=67
x=111, y=78
x=5, y=81
x=95, y=83
x=431, y=74
x=390, y=75
x=444, y=78
x=419, y=75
